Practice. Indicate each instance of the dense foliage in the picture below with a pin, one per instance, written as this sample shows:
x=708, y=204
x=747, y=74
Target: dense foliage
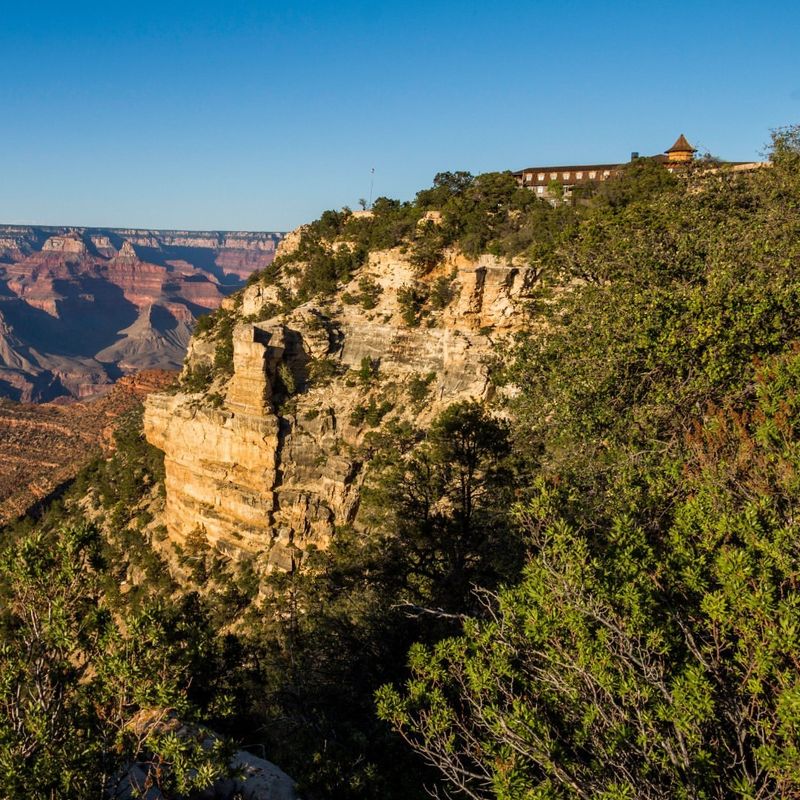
x=95, y=684
x=476, y=214
x=327, y=637
x=597, y=598
x=650, y=648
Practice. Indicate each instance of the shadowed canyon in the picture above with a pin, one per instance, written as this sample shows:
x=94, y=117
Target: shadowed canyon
x=80, y=307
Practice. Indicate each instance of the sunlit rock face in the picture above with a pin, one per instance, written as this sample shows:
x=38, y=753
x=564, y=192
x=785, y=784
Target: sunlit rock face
x=80, y=307
x=261, y=474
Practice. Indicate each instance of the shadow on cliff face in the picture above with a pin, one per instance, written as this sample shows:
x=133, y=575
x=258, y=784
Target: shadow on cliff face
x=91, y=313
x=197, y=310
x=47, y=386
x=10, y=391
x=41, y=388
x=113, y=237
x=203, y=258
x=296, y=357
x=161, y=319
x=151, y=255
x=35, y=327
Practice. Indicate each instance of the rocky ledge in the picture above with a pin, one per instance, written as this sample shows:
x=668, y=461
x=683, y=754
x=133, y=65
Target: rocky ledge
x=264, y=468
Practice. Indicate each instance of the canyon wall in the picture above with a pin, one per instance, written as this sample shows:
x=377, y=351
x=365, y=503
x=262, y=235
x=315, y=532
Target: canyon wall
x=81, y=306
x=44, y=445
x=270, y=471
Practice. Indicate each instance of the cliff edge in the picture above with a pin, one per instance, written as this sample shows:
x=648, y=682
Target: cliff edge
x=269, y=458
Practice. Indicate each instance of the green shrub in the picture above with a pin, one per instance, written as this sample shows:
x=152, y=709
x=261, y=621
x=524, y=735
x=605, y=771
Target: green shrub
x=197, y=378
x=223, y=356
x=428, y=247
x=411, y=300
x=370, y=292
x=391, y=224
x=267, y=311
x=372, y=413
x=442, y=292
x=286, y=379
x=321, y=371
x=368, y=370
x=204, y=324
x=419, y=387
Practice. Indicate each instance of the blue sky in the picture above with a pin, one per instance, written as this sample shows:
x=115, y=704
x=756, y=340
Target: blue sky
x=245, y=115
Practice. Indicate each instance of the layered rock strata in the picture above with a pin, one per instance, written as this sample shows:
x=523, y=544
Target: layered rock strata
x=80, y=306
x=42, y=446
x=269, y=470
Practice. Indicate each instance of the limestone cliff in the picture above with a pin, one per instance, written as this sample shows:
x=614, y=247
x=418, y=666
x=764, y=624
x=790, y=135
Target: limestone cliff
x=271, y=460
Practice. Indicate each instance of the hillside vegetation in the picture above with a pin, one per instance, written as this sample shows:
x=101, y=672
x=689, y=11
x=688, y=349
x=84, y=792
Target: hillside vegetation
x=587, y=588
x=651, y=647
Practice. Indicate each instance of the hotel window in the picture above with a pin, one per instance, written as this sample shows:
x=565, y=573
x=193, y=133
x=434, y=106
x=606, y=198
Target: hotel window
x=541, y=176
x=529, y=177
x=565, y=175
x=553, y=176
x=606, y=173
x=578, y=176
x=592, y=175
x=540, y=190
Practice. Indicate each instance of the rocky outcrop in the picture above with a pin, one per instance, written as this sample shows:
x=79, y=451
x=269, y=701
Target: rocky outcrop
x=79, y=307
x=257, y=351
x=221, y=470
x=65, y=244
x=272, y=462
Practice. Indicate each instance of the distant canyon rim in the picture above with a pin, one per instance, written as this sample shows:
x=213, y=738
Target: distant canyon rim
x=81, y=307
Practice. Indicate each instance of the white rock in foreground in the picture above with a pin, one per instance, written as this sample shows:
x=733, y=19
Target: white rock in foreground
x=261, y=780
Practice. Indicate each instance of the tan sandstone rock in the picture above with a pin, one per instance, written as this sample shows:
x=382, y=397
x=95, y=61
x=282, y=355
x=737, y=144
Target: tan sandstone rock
x=276, y=481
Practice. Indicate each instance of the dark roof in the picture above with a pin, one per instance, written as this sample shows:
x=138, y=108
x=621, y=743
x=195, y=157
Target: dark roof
x=681, y=146
x=574, y=168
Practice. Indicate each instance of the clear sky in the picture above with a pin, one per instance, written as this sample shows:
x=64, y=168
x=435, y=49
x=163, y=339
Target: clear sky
x=260, y=115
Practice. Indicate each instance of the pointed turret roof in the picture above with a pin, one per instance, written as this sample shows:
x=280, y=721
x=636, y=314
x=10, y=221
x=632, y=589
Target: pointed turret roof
x=681, y=146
